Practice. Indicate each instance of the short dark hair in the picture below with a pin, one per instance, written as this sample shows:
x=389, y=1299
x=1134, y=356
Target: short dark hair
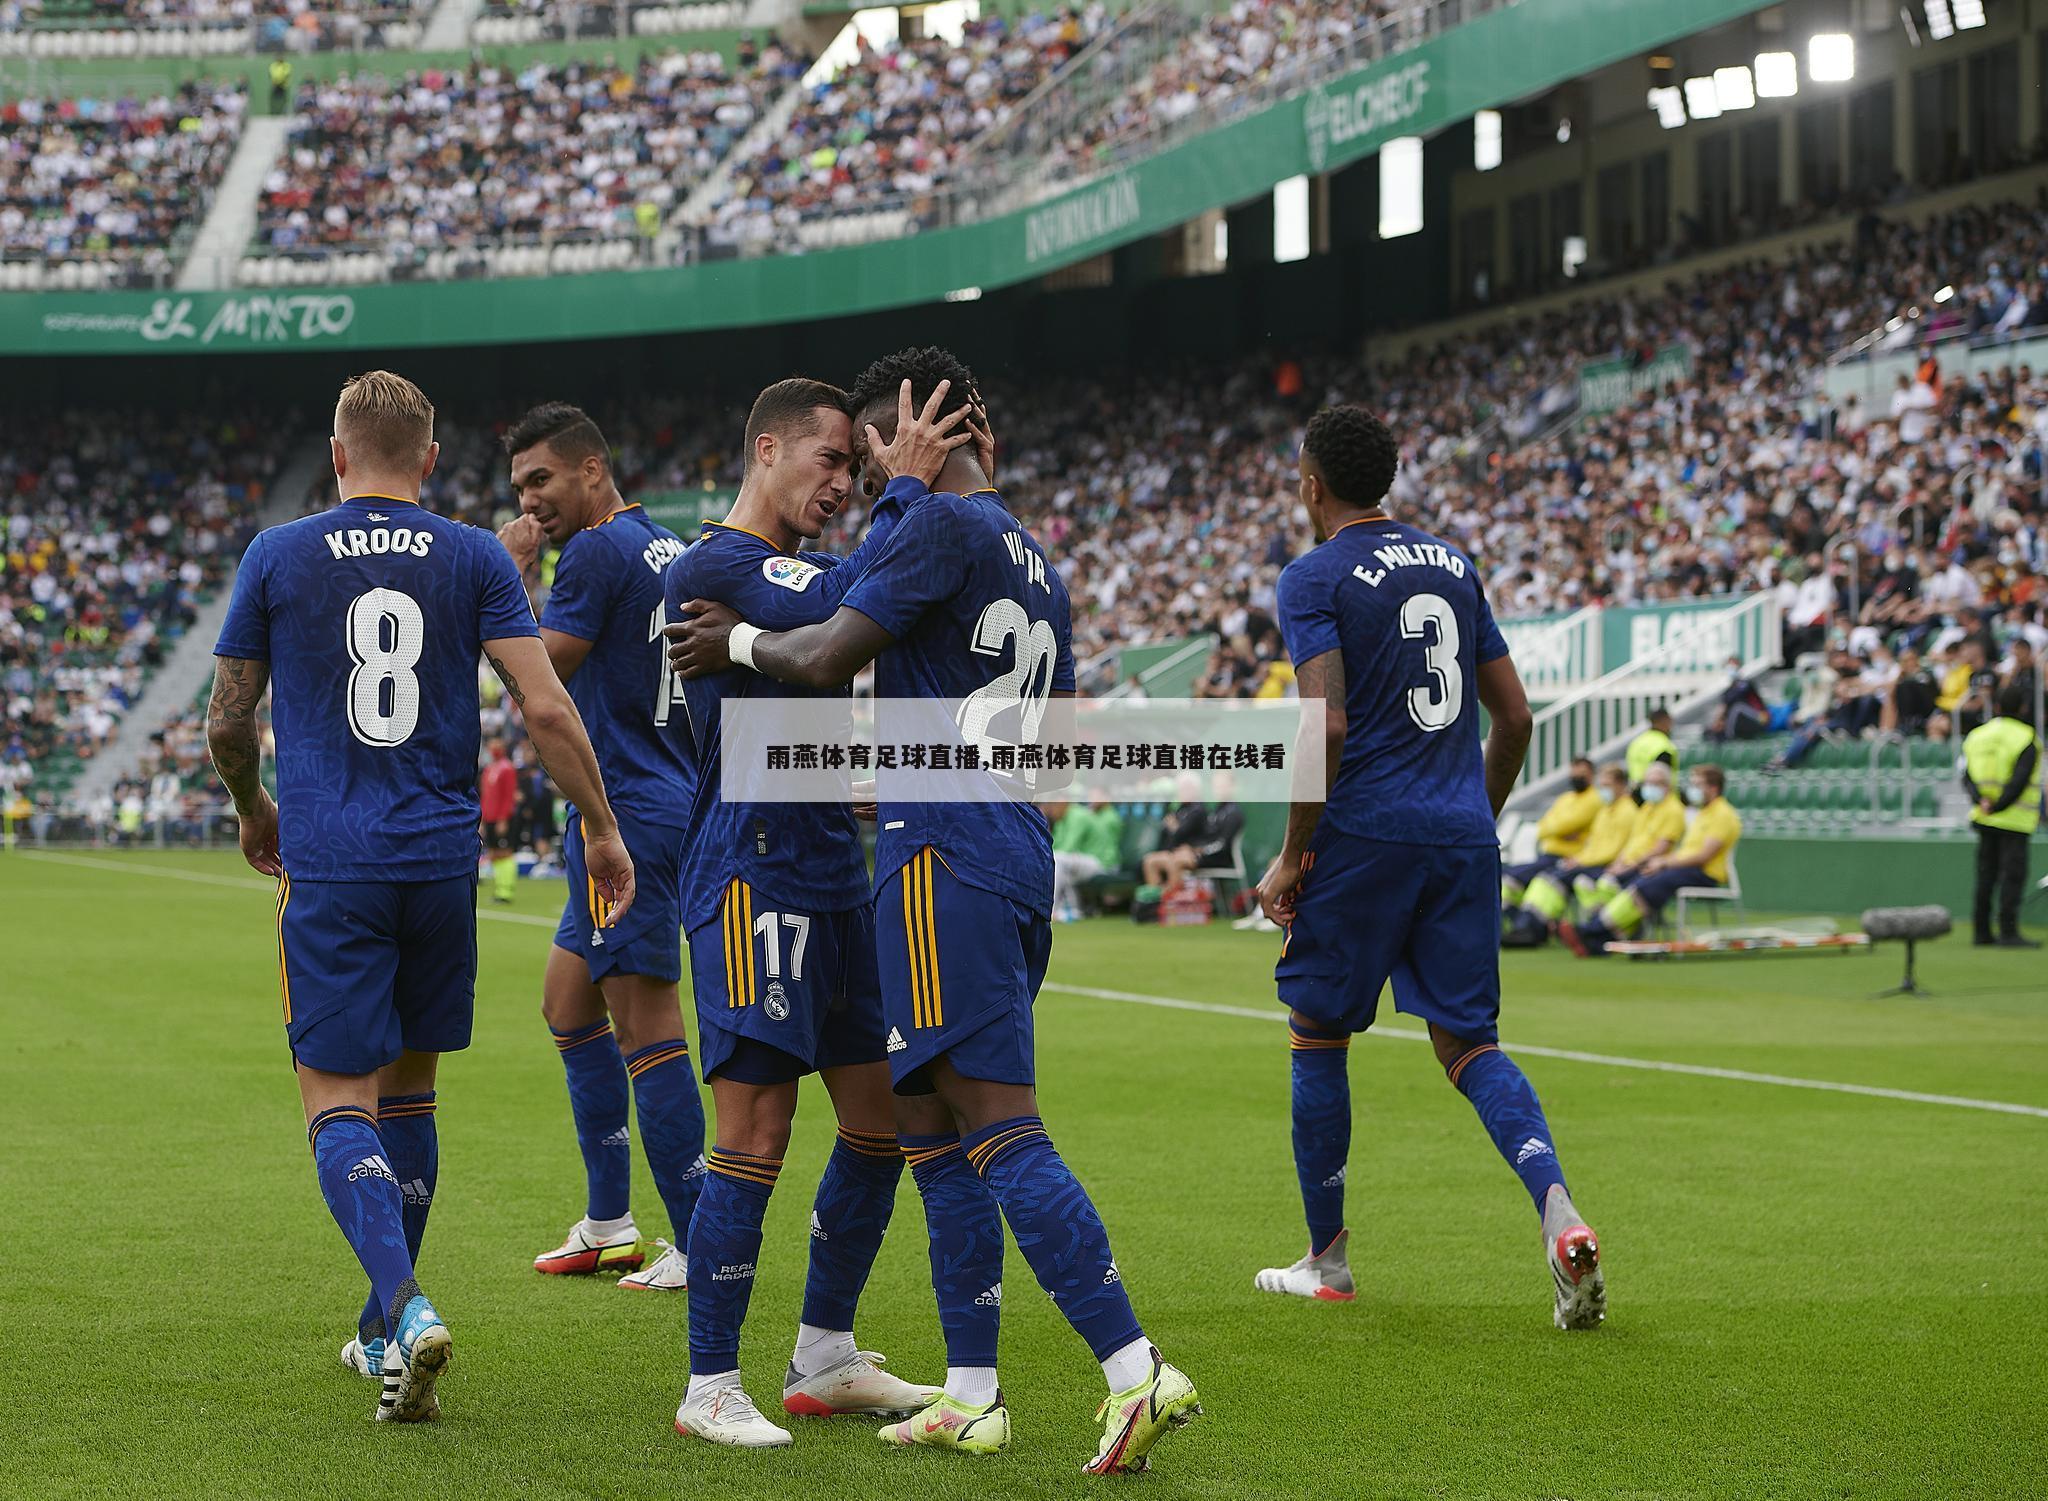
x=1660, y=712
x=2012, y=701
x=924, y=369
x=1355, y=453
x=566, y=429
x=789, y=409
x=1713, y=776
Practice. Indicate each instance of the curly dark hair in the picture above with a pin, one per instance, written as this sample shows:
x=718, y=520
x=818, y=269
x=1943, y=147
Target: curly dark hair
x=924, y=369
x=1355, y=452
x=567, y=429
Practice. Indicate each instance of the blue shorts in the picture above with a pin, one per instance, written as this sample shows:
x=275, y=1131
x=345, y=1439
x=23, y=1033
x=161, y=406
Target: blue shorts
x=1653, y=892
x=1529, y=870
x=781, y=994
x=371, y=968
x=960, y=968
x=648, y=939
x=1425, y=917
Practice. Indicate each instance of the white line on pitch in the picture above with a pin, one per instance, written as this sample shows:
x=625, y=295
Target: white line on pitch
x=1572, y=1055
x=1175, y=1003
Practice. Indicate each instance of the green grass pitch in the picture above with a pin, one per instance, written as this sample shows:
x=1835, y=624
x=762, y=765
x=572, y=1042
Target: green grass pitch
x=1814, y=1294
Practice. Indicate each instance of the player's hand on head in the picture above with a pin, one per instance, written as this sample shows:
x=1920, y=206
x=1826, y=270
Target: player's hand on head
x=923, y=439
x=522, y=537
x=984, y=439
x=259, y=838
x=697, y=644
x=611, y=867
x=1277, y=888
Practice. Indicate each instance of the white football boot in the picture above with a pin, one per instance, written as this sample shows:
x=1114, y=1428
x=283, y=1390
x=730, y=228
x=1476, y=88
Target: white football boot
x=365, y=1359
x=669, y=1272
x=857, y=1384
x=584, y=1252
x=1326, y=1278
x=1574, y=1255
x=727, y=1415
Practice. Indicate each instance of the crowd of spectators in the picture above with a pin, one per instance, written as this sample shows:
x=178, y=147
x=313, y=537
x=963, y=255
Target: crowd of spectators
x=113, y=527
x=278, y=24
x=113, y=179
x=895, y=122
x=459, y=158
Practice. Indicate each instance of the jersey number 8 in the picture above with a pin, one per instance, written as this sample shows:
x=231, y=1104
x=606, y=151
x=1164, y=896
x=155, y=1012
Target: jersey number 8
x=373, y=617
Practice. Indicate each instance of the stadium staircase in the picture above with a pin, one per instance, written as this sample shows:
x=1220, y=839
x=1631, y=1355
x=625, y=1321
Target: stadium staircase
x=172, y=688
x=231, y=221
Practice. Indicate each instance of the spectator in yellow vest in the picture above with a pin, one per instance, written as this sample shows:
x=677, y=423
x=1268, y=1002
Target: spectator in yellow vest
x=1659, y=825
x=1544, y=903
x=1701, y=859
x=2002, y=774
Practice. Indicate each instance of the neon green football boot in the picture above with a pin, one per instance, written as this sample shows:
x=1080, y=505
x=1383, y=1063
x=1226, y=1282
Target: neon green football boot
x=951, y=1424
x=1133, y=1421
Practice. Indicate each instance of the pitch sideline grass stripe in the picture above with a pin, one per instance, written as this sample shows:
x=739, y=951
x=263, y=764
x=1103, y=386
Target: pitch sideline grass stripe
x=1271, y=1013
x=1573, y=1055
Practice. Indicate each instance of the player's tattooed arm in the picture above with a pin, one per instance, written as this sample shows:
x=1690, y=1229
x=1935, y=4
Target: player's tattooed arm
x=1500, y=691
x=1320, y=677
x=237, y=751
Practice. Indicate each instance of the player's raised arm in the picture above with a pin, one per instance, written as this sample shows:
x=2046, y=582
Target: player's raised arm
x=237, y=751
x=1500, y=690
x=558, y=736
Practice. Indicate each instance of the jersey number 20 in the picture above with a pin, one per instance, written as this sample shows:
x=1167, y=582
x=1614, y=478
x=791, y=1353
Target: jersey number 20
x=1435, y=705
x=373, y=618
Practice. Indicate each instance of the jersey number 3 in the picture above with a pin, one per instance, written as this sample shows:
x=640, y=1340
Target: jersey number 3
x=386, y=634
x=1435, y=705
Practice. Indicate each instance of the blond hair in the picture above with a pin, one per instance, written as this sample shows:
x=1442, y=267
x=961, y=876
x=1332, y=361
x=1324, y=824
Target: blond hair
x=385, y=421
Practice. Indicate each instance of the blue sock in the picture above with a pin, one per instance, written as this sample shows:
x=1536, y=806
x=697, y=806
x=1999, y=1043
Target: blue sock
x=362, y=1194
x=966, y=1247
x=724, y=1243
x=1512, y=1115
x=405, y=1124
x=1057, y=1229
x=848, y=1218
x=671, y=1127
x=597, y=1098
x=1319, y=1062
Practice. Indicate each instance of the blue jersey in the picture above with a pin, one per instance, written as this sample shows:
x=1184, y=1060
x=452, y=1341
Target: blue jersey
x=372, y=617
x=975, y=610
x=807, y=856
x=607, y=591
x=1412, y=623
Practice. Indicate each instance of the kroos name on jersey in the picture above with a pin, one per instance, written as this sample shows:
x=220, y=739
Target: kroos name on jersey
x=356, y=542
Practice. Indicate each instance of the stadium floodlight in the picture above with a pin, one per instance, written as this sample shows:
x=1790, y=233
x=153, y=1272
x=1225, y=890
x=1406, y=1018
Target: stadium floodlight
x=1831, y=57
x=1486, y=140
x=1944, y=294
x=1969, y=14
x=1670, y=107
x=1733, y=88
x=1401, y=187
x=1940, y=24
x=1290, y=220
x=1777, y=75
x=1701, y=102
x=1574, y=254
x=1564, y=130
x=964, y=294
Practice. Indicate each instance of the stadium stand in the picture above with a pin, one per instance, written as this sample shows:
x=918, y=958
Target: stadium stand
x=115, y=527
x=467, y=172
x=158, y=28
x=104, y=191
x=510, y=22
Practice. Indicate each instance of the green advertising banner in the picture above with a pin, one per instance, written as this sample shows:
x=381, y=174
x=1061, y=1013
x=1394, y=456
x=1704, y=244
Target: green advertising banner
x=1608, y=384
x=684, y=512
x=1563, y=651
x=1497, y=57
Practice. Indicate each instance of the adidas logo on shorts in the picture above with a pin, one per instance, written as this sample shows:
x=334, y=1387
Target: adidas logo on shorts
x=896, y=1042
x=1535, y=1146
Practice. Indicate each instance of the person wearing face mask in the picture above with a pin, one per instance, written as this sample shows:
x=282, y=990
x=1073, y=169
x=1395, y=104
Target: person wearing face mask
x=1701, y=859
x=1559, y=834
x=1544, y=903
x=1655, y=831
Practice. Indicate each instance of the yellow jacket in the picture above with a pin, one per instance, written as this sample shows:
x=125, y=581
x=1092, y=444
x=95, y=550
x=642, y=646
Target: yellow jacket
x=1610, y=831
x=1655, y=824
x=1563, y=829
x=1717, y=820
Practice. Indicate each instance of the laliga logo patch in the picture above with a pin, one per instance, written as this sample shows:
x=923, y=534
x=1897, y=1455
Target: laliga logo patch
x=790, y=573
x=775, y=1003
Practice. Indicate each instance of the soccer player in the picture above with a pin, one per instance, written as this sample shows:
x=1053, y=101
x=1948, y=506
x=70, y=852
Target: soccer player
x=366, y=621
x=1397, y=873
x=609, y=993
x=500, y=802
x=780, y=920
x=963, y=605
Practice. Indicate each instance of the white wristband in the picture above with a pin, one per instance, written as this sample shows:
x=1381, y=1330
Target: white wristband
x=740, y=644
